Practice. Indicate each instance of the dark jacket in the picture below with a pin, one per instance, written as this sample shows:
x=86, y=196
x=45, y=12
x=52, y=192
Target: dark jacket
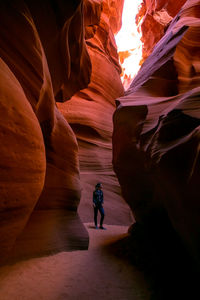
x=98, y=197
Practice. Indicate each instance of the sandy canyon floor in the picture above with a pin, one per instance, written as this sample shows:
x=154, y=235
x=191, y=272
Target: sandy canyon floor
x=93, y=274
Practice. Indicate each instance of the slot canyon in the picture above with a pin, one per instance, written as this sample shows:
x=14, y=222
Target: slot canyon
x=67, y=122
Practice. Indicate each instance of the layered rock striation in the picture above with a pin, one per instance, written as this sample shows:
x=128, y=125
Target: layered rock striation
x=154, y=17
x=156, y=134
x=89, y=112
x=43, y=57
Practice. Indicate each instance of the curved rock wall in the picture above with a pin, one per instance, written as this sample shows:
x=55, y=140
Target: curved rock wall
x=90, y=111
x=23, y=160
x=42, y=50
x=154, y=17
x=156, y=133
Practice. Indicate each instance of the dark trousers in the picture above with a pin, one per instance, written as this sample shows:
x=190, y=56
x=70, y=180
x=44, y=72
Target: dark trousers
x=101, y=210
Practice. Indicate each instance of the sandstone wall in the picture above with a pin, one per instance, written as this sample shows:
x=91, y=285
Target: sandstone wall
x=156, y=133
x=43, y=56
x=154, y=17
x=90, y=111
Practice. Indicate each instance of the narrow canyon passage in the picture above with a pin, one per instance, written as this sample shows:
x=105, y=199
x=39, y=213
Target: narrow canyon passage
x=68, y=122
x=90, y=274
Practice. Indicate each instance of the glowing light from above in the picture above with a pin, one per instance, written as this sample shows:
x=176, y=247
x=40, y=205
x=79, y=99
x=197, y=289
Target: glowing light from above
x=129, y=43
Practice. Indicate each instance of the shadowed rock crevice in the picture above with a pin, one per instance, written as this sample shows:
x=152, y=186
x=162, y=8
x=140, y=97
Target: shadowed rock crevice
x=156, y=149
x=156, y=249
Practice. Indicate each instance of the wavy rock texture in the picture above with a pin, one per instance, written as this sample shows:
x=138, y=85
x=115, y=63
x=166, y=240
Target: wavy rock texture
x=90, y=112
x=155, y=17
x=23, y=160
x=157, y=135
x=42, y=50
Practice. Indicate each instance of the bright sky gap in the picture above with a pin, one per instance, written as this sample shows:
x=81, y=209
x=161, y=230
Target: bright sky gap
x=129, y=43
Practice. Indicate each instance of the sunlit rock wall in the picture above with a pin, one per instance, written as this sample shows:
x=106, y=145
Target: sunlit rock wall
x=43, y=56
x=90, y=112
x=157, y=135
x=154, y=17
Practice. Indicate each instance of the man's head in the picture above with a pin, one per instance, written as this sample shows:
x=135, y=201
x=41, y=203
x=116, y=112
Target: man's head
x=98, y=185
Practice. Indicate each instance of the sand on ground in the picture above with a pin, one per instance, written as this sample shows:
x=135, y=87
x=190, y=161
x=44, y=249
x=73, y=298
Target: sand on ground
x=91, y=274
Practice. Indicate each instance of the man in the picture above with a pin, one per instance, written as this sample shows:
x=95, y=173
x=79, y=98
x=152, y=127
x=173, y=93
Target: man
x=98, y=205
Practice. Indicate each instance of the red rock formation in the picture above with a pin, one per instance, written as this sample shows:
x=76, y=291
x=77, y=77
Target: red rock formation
x=156, y=132
x=155, y=16
x=66, y=59
x=23, y=160
x=115, y=14
x=90, y=112
x=43, y=53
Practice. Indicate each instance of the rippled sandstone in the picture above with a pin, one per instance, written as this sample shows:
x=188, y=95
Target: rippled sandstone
x=156, y=133
x=154, y=17
x=90, y=111
x=42, y=50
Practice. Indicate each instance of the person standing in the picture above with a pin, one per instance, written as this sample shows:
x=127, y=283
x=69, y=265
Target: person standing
x=98, y=205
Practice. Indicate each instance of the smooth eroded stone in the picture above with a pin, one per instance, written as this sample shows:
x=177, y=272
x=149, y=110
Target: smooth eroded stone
x=157, y=133
x=155, y=17
x=40, y=32
x=90, y=112
x=22, y=162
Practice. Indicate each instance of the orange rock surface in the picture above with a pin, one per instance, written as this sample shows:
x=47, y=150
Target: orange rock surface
x=155, y=16
x=23, y=160
x=156, y=132
x=53, y=154
x=42, y=50
x=90, y=112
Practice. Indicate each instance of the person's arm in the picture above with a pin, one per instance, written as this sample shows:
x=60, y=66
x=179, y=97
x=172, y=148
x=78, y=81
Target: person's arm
x=102, y=197
x=94, y=199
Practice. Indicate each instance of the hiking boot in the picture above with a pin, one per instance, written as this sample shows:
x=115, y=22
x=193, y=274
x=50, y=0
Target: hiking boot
x=101, y=227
